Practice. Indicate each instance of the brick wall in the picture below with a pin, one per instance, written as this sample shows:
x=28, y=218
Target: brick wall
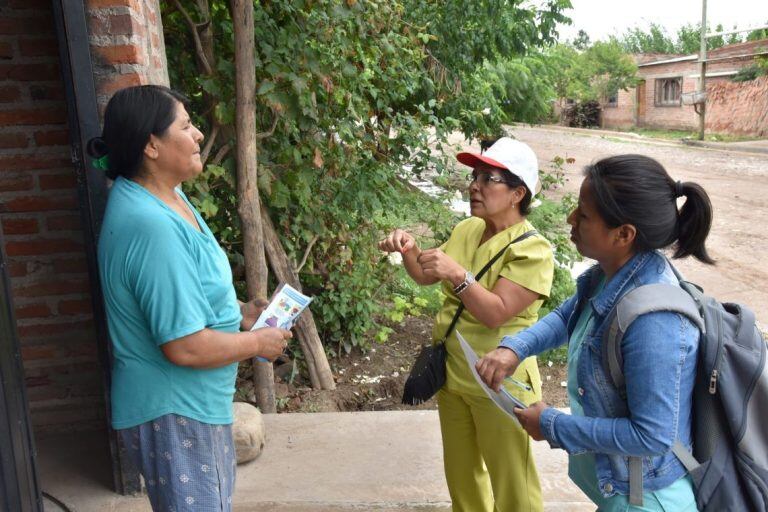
x=740, y=108
x=39, y=209
x=127, y=45
x=622, y=115
x=732, y=100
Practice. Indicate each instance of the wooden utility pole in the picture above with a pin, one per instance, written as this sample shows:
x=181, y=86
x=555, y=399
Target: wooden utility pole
x=249, y=208
x=701, y=108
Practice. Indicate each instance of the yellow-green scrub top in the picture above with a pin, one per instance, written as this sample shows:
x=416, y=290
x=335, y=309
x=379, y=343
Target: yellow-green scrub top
x=528, y=263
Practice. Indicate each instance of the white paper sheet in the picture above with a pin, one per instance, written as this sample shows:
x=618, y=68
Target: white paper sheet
x=503, y=399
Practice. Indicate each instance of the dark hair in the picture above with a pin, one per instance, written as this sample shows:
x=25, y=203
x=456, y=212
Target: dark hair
x=132, y=115
x=510, y=179
x=637, y=190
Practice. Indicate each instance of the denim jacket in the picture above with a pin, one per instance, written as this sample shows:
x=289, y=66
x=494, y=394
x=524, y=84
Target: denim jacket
x=660, y=353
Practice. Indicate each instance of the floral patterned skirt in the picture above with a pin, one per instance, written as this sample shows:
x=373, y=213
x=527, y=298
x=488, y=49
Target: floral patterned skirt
x=187, y=465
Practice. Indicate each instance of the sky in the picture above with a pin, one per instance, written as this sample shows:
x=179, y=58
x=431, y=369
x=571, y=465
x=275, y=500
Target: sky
x=601, y=18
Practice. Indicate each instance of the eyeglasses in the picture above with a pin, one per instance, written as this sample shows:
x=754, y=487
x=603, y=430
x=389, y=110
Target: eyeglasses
x=483, y=179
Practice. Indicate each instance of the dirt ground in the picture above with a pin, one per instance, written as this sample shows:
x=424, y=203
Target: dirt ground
x=373, y=381
x=737, y=184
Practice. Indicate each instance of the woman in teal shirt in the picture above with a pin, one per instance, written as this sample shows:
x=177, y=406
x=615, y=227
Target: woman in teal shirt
x=174, y=319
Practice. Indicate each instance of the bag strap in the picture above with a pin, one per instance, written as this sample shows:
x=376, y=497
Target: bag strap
x=639, y=301
x=485, y=268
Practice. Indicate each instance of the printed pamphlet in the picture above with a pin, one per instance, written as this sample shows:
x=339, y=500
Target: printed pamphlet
x=283, y=310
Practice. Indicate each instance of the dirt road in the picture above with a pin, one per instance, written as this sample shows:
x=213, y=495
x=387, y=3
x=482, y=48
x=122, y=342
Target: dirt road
x=736, y=182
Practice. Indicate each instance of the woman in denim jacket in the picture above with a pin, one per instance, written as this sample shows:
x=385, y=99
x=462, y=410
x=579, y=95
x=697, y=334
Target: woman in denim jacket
x=627, y=210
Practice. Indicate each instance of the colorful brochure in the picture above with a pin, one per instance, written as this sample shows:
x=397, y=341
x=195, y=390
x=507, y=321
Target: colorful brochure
x=283, y=310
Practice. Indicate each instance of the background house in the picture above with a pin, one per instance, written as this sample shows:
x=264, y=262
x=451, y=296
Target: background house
x=739, y=108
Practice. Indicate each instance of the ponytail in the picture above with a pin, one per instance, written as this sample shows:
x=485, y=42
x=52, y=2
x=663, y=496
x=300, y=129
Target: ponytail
x=694, y=223
x=637, y=190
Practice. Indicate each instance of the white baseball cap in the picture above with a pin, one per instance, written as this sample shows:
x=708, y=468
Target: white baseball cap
x=510, y=154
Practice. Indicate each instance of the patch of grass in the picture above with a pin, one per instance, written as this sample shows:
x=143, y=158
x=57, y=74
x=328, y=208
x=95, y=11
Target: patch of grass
x=682, y=134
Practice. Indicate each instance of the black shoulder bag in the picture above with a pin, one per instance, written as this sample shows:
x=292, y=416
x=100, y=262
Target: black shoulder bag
x=428, y=373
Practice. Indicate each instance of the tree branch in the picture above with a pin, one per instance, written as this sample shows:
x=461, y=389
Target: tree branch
x=306, y=253
x=195, y=36
x=209, y=144
x=220, y=154
x=264, y=135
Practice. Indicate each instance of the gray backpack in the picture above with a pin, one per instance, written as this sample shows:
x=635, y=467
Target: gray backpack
x=729, y=463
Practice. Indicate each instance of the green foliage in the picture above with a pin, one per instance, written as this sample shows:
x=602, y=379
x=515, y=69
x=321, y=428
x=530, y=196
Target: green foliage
x=365, y=94
x=748, y=73
x=593, y=74
x=655, y=39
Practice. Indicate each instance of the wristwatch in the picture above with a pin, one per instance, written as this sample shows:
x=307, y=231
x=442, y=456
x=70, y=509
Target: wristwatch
x=469, y=278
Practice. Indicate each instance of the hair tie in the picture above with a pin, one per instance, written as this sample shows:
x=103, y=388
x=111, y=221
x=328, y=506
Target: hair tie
x=101, y=163
x=679, y=189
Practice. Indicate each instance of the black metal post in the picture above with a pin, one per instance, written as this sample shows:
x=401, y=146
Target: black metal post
x=19, y=488
x=83, y=121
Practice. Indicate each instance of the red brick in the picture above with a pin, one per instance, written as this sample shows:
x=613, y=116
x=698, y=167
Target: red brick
x=38, y=393
x=51, y=287
x=16, y=183
x=30, y=72
x=116, y=82
x=9, y=94
x=17, y=269
x=20, y=226
x=33, y=352
x=64, y=223
x=38, y=246
x=6, y=50
x=75, y=307
x=13, y=140
x=70, y=266
x=46, y=92
x=101, y=4
x=122, y=54
x=38, y=47
x=114, y=25
x=41, y=380
x=30, y=4
x=26, y=25
x=27, y=116
x=56, y=329
x=39, y=203
x=33, y=311
x=32, y=162
x=52, y=138
x=57, y=181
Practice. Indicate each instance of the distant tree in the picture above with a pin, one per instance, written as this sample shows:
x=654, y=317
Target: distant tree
x=581, y=42
x=654, y=39
x=756, y=35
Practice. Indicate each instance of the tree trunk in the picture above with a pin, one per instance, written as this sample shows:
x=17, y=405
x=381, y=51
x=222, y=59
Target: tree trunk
x=247, y=182
x=319, y=370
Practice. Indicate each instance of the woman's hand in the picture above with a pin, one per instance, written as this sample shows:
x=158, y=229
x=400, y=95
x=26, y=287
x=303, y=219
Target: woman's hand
x=496, y=366
x=272, y=341
x=436, y=264
x=529, y=419
x=251, y=311
x=398, y=241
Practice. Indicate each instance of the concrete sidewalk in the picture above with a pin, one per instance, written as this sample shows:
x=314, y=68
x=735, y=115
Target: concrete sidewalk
x=378, y=461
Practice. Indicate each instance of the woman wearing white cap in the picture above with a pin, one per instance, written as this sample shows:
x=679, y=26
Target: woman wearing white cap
x=488, y=461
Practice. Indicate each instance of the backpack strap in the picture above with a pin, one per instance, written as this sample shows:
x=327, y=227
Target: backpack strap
x=639, y=301
x=480, y=274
